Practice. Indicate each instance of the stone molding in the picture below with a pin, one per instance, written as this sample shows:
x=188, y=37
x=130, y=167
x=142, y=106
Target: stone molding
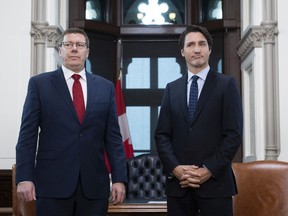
x=256, y=36
x=43, y=33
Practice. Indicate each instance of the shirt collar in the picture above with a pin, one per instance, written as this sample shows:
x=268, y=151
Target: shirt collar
x=68, y=73
x=202, y=74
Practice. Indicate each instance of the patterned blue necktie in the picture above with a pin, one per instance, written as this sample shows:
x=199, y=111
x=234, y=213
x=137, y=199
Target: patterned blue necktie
x=193, y=97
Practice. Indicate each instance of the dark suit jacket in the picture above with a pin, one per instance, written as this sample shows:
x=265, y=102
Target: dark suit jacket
x=68, y=149
x=212, y=139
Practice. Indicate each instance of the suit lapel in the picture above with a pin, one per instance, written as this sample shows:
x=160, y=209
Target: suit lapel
x=183, y=98
x=92, y=89
x=60, y=84
x=205, y=93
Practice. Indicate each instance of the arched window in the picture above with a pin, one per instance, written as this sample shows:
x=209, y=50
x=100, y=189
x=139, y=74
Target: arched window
x=96, y=10
x=210, y=10
x=153, y=12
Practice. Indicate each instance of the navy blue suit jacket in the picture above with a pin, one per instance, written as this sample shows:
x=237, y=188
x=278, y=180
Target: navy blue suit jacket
x=68, y=149
x=212, y=139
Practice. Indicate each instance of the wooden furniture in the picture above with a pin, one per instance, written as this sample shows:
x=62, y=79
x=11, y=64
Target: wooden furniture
x=19, y=207
x=141, y=209
x=262, y=188
x=5, y=188
x=5, y=211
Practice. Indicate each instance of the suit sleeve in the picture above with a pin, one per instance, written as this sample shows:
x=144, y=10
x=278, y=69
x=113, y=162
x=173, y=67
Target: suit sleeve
x=163, y=134
x=232, y=130
x=28, y=135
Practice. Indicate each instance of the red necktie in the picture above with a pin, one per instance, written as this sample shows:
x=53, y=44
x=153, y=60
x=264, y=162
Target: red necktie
x=78, y=98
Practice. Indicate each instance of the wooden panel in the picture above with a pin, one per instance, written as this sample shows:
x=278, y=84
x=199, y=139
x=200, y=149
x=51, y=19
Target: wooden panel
x=5, y=211
x=5, y=188
x=142, y=209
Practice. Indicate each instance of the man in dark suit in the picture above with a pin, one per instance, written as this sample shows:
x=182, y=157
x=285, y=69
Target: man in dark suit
x=60, y=151
x=197, y=149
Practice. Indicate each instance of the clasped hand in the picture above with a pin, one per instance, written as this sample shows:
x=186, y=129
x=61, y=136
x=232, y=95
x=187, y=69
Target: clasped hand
x=191, y=175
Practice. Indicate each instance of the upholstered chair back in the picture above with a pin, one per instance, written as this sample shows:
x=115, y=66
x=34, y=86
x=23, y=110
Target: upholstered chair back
x=146, y=178
x=262, y=188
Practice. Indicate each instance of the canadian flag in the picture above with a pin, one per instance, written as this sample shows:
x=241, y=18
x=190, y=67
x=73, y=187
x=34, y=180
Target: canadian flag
x=123, y=123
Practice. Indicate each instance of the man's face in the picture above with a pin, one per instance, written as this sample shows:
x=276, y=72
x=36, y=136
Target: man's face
x=74, y=57
x=196, y=51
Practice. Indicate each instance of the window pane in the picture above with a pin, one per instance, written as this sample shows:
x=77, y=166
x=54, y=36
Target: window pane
x=139, y=125
x=138, y=74
x=154, y=12
x=210, y=10
x=96, y=10
x=168, y=70
x=216, y=56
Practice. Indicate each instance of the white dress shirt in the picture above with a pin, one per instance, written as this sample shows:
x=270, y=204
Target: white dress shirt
x=69, y=80
x=201, y=80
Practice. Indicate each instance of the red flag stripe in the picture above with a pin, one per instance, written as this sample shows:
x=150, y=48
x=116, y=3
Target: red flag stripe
x=123, y=121
x=123, y=124
x=121, y=109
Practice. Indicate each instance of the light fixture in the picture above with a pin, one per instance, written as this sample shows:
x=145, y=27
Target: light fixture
x=140, y=16
x=153, y=12
x=172, y=16
x=90, y=12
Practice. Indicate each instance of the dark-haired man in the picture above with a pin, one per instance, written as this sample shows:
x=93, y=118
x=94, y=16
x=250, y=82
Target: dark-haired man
x=198, y=133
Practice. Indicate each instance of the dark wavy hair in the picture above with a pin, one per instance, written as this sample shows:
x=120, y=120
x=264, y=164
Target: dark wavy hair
x=195, y=28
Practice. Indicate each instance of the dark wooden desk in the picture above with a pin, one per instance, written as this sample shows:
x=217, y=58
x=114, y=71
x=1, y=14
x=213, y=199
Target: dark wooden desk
x=5, y=211
x=141, y=209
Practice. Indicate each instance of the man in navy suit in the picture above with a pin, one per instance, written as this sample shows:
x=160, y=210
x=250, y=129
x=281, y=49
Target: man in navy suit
x=59, y=156
x=197, y=152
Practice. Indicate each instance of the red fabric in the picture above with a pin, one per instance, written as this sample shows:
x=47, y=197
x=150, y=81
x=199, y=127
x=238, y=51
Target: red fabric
x=123, y=123
x=78, y=98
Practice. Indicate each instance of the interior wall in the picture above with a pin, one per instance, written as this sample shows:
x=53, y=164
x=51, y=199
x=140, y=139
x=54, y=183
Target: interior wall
x=253, y=15
x=283, y=77
x=15, y=40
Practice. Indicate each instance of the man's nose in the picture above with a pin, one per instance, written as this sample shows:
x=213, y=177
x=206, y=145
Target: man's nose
x=197, y=49
x=74, y=47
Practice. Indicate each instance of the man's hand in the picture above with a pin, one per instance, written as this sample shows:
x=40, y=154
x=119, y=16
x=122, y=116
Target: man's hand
x=194, y=177
x=181, y=172
x=26, y=191
x=118, y=193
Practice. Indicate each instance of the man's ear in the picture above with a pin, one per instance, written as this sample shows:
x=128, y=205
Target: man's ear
x=60, y=51
x=182, y=50
x=87, y=55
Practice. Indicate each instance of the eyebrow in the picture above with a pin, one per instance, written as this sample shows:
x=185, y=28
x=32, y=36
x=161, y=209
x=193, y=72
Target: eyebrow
x=194, y=42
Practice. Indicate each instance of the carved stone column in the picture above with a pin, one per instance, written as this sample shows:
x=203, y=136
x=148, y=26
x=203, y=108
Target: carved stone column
x=271, y=76
x=44, y=36
x=263, y=36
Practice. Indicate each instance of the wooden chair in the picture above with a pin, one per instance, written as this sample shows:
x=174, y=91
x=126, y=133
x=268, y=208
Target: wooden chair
x=262, y=188
x=19, y=207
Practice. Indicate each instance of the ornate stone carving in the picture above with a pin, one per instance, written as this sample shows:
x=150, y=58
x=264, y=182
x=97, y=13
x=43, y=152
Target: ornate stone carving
x=270, y=31
x=39, y=31
x=256, y=36
x=53, y=35
x=45, y=34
